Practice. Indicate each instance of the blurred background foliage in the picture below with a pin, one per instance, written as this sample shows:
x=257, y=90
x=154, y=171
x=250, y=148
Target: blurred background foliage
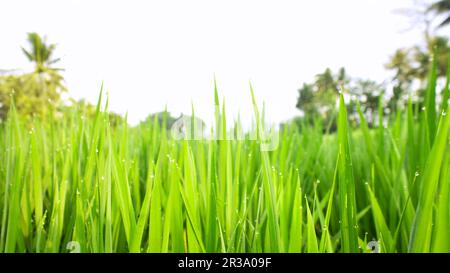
x=410, y=69
x=38, y=93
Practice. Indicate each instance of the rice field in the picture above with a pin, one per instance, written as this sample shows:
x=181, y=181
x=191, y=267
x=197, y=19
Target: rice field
x=74, y=184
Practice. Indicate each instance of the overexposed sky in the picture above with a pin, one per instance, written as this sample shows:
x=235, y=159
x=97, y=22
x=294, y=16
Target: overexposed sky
x=153, y=53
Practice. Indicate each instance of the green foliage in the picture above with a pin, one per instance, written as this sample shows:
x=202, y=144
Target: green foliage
x=80, y=175
x=121, y=189
x=38, y=93
x=161, y=117
x=33, y=94
x=414, y=64
x=347, y=201
x=40, y=53
x=88, y=111
x=318, y=99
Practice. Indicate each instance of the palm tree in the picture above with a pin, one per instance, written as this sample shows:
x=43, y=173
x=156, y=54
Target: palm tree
x=342, y=77
x=400, y=62
x=40, y=53
x=325, y=82
x=437, y=46
x=369, y=93
x=305, y=101
x=422, y=63
x=441, y=7
x=441, y=48
x=49, y=82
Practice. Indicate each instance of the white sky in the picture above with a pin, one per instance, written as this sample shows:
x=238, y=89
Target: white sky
x=153, y=53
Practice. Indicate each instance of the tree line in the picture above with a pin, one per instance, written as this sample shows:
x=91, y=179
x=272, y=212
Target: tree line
x=38, y=93
x=410, y=67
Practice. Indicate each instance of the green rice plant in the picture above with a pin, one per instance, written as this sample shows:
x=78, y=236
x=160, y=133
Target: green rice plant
x=347, y=201
x=74, y=183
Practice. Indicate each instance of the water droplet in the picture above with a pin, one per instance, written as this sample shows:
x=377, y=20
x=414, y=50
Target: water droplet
x=424, y=108
x=443, y=113
x=417, y=174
